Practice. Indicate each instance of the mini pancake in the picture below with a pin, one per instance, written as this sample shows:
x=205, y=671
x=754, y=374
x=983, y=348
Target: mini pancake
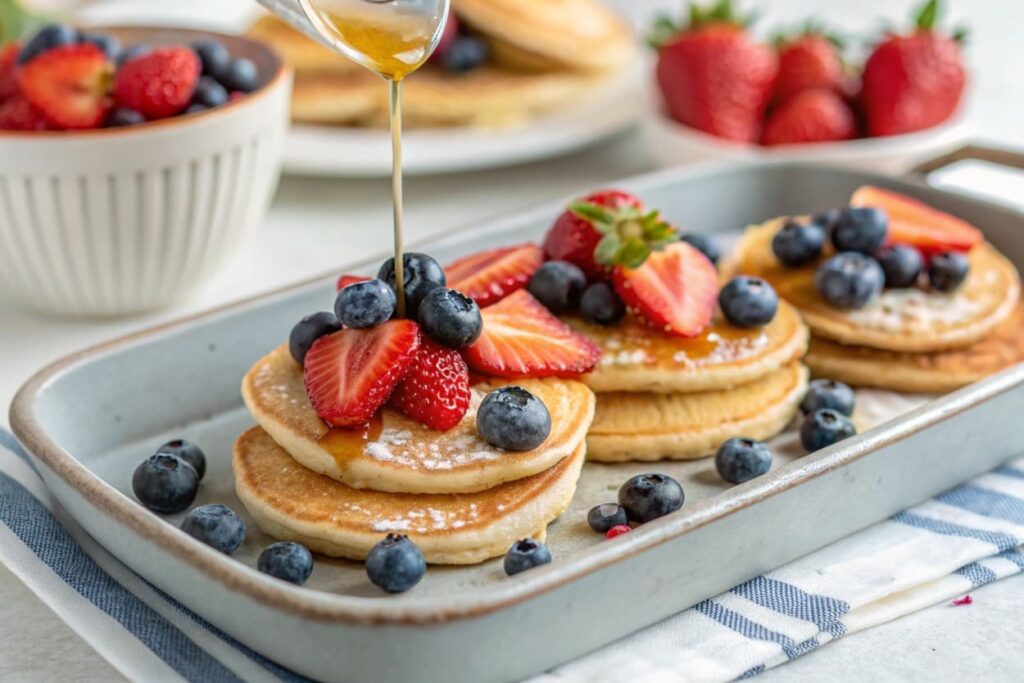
x=292, y=503
x=924, y=373
x=640, y=359
x=581, y=34
x=689, y=426
x=397, y=454
x=910, y=320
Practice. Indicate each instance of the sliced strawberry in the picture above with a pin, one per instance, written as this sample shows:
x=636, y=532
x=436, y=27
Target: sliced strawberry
x=346, y=280
x=522, y=339
x=436, y=390
x=70, y=84
x=917, y=224
x=674, y=290
x=489, y=276
x=574, y=238
x=350, y=374
x=8, y=74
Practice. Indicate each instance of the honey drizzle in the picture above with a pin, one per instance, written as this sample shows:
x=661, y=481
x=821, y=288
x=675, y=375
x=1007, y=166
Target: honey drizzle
x=346, y=445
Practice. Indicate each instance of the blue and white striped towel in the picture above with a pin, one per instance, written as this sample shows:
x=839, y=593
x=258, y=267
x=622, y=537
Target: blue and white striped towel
x=959, y=540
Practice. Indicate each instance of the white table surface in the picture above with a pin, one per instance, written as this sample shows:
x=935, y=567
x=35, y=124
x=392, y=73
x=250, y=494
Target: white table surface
x=315, y=225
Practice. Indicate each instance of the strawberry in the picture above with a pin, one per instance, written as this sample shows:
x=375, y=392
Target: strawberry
x=436, y=390
x=18, y=113
x=612, y=218
x=350, y=374
x=522, y=339
x=674, y=290
x=8, y=75
x=159, y=83
x=69, y=85
x=489, y=276
x=917, y=224
x=913, y=81
x=713, y=76
x=346, y=280
x=810, y=116
x=808, y=61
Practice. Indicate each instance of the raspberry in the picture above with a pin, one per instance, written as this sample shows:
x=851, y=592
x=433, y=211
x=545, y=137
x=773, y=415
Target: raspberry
x=617, y=530
x=158, y=84
x=18, y=113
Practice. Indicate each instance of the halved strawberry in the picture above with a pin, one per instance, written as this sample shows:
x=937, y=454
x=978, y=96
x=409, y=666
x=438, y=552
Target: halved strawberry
x=70, y=84
x=346, y=280
x=489, y=276
x=674, y=290
x=522, y=339
x=917, y=224
x=350, y=374
x=436, y=390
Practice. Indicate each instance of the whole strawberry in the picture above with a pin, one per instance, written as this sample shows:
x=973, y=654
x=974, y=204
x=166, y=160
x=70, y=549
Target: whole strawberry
x=436, y=390
x=17, y=113
x=159, y=83
x=713, y=76
x=913, y=81
x=810, y=116
x=8, y=78
x=807, y=61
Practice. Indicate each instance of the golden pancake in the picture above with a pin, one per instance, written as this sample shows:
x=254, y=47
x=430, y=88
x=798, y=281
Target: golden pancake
x=581, y=34
x=910, y=320
x=398, y=454
x=292, y=503
x=925, y=373
x=688, y=426
x=638, y=358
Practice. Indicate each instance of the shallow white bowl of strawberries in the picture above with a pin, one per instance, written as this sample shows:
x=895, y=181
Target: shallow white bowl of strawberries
x=722, y=94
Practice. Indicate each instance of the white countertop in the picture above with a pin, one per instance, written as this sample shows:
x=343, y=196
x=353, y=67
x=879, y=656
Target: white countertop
x=315, y=225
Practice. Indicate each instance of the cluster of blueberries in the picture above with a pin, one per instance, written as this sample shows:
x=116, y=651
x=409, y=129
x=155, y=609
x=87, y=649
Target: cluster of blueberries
x=862, y=267
x=167, y=482
x=642, y=498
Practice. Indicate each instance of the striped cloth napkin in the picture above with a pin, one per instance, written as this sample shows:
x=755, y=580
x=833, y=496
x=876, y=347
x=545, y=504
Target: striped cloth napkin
x=937, y=551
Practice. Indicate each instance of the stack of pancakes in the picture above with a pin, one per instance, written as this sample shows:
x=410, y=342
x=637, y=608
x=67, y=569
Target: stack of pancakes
x=907, y=340
x=542, y=55
x=660, y=396
x=458, y=498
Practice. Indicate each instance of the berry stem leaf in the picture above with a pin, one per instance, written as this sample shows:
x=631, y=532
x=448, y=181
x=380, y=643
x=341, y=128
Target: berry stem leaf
x=961, y=34
x=928, y=15
x=592, y=212
x=663, y=30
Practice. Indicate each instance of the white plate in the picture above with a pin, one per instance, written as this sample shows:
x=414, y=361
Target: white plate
x=366, y=153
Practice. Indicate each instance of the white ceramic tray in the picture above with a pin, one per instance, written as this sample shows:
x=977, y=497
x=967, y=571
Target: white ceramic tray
x=89, y=419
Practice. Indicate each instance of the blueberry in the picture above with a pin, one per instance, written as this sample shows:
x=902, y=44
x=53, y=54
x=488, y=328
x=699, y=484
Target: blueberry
x=421, y=275
x=705, y=244
x=739, y=460
x=308, y=330
x=600, y=305
x=109, y=44
x=395, y=564
x=513, y=419
x=557, y=285
x=828, y=393
x=603, y=517
x=465, y=53
x=748, y=301
x=241, y=75
x=195, y=108
x=649, y=496
x=123, y=116
x=849, y=280
x=165, y=483
x=827, y=219
x=47, y=38
x=210, y=93
x=187, y=451
x=215, y=525
x=901, y=264
x=287, y=561
x=214, y=55
x=824, y=427
x=798, y=244
x=365, y=304
x=133, y=52
x=948, y=271
x=860, y=228
x=450, y=318
x=526, y=554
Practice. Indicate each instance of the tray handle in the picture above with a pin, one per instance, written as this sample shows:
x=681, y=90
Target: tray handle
x=995, y=155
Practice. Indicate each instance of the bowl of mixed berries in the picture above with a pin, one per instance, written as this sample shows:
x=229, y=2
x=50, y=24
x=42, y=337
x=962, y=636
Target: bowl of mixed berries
x=133, y=161
x=726, y=94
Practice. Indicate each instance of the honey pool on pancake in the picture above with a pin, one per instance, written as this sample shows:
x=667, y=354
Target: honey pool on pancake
x=719, y=343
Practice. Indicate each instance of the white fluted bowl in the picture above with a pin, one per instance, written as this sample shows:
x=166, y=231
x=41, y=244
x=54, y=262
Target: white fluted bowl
x=123, y=220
